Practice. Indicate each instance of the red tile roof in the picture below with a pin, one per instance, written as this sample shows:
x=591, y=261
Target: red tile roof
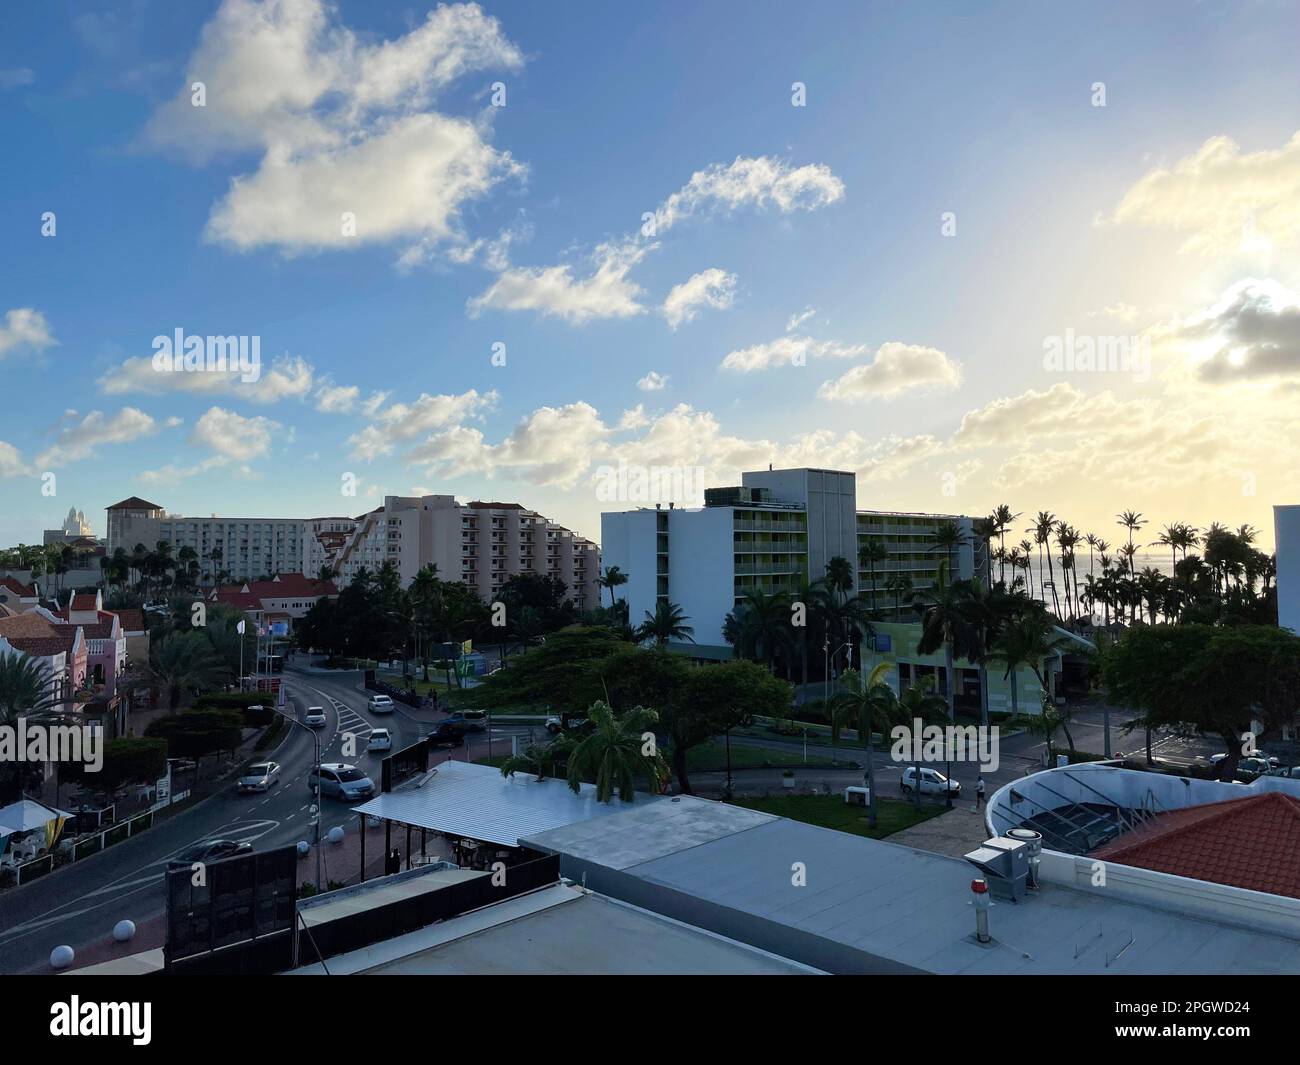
x=134, y=503
x=82, y=601
x=18, y=588
x=132, y=620
x=480, y=505
x=288, y=586
x=1251, y=843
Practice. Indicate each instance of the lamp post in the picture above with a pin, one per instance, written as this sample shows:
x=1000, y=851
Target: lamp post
x=315, y=817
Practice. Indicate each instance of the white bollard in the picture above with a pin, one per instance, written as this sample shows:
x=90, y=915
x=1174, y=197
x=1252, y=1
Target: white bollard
x=61, y=957
x=304, y=848
x=335, y=835
x=124, y=931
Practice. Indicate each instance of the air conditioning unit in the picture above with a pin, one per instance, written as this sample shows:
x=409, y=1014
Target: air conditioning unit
x=854, y=796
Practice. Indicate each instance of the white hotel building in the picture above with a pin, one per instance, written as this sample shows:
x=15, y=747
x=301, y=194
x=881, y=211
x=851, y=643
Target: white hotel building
x=482, y=544
x=767, y=533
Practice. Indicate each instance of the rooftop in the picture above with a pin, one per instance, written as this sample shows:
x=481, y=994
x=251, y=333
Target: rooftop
x=1251, y=843
x=134, y=503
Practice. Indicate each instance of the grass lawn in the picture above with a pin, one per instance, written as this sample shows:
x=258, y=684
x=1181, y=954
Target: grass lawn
x=713, y=756
x=831, y=811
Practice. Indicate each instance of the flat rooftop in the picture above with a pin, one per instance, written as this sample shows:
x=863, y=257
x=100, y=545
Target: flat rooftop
x=558, y=931
x=867, y=906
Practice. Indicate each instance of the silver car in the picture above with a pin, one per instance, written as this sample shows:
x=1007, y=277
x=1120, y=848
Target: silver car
x=339, y=780
x=259, y=777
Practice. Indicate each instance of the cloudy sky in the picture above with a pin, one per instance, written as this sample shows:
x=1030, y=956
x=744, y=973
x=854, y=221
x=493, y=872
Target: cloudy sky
x=1025, y=253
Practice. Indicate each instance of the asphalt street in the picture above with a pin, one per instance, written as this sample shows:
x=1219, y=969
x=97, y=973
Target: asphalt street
x=80, y=903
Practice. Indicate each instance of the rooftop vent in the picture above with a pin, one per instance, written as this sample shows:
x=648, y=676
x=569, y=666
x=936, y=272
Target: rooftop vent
x=1005, y=865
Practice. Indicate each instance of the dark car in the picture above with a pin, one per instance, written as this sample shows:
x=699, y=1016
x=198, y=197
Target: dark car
x=447, y=734
x=467, y=721
x=210, y=850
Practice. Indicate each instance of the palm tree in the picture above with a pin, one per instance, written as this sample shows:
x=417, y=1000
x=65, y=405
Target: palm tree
x=944, y=623
x=1024, y=641
x=1132, y=521
x=948, y=536
x=920, y=703
x=541, y=759
x=1027, y=553
x=612, y=578
x=839, y=576
x=186, y=661
x=763, y=626
x=900, y=587
x=1044, y=523
x=666, y=623
x=872, y=552
x=812, y=594
x=614, y=753
x=1001, y=520
x=871, y=703
x=26, y=687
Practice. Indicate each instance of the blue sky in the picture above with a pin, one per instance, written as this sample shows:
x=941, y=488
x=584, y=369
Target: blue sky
x=859, y=334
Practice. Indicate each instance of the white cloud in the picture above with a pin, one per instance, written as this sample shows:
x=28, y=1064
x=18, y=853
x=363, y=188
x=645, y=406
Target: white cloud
x=81, y=439
x=11, y=461
x=288, y=377
x=24, y=327
x=552, y=290
x=1121, y=312
x=231, y=436
x=896, y=368
x=710, y=288
x=342, y=125
x=336, y=399
x=653, y=382
x=1222, y=199
x=402, y=422
x=752, y=182
x=789, y=351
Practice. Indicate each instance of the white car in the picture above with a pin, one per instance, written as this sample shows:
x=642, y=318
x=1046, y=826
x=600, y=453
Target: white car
x=379, y=740
x=380, y=704
x=932, y=782
x=259, y=777
x=315, y=716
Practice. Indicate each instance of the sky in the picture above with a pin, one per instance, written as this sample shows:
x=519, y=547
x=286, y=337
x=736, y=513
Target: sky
x=1038, y=254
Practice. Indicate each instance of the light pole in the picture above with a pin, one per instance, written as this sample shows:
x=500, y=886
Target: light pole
x=315, y=817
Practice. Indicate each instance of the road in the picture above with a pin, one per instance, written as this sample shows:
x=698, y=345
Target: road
x=80, y=903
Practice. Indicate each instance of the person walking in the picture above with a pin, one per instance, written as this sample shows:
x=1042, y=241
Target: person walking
x=979, y=792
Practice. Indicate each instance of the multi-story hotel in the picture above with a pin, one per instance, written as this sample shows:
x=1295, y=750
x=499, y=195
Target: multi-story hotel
x=482, y=544
x=773, y=530
x=245, y=547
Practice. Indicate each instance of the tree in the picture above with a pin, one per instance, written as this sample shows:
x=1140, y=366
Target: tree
x=762, y=626
x=617, y=752
x=666, y=623
x=185, y=661
x=948, y=536
x=871, y=553
x=198, y=732
x=612, y=578
x=131, y=760
x=556, y=674
x=869, y=702
x=715, y=699
x=26, y=687
x=839, y=576
x=1023, y=642
x=1217, y=680
x=945, y=623
x=920, y=703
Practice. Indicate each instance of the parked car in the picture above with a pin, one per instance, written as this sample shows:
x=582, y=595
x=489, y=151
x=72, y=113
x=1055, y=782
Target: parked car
x=380, y=704
x=557, y=723
x=380, y=740
x=467, y=720
x=315, y=716
x=932, y=782
x=209, y=850
x=259, y=777
x=447, y=735
x=338, y=780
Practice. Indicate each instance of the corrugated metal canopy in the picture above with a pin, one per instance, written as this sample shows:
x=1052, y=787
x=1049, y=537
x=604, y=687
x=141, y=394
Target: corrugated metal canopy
x=476, y=801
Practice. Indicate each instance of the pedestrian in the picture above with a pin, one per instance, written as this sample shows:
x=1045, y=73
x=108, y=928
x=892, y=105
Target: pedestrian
x=979, y=792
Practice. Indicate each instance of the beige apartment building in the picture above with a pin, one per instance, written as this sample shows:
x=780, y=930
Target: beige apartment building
x=482, y=544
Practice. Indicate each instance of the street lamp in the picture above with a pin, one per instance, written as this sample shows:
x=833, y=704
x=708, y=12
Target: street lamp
x=315, y=817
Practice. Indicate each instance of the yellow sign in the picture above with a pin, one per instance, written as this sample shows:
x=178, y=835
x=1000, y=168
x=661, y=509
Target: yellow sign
x=467, y=647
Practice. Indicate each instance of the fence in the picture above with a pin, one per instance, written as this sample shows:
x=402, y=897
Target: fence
x=12, y=876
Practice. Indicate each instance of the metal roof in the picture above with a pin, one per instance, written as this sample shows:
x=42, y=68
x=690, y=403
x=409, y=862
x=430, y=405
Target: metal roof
x=476, y=801
x=870, y=906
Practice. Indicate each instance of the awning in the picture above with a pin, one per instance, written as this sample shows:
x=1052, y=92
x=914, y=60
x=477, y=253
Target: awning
x=476, y=801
